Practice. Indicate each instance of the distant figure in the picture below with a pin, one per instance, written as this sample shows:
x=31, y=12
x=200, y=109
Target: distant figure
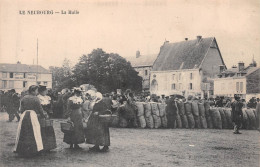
x=171, y=111
x=13, y=104
x=237, y=115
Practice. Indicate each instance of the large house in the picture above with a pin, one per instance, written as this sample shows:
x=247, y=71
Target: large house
x=143, y=65
x=186, y=68
x=239, y=80
x=21, y=76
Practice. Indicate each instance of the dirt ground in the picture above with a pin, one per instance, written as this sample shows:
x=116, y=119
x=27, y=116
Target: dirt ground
x=143, y=147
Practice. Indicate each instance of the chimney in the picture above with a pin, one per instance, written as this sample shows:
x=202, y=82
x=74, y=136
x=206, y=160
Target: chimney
x=199, y=38
x=221, y=68
x=186, y=39
x=138, y=54
x=241, y=66
x=234, y=66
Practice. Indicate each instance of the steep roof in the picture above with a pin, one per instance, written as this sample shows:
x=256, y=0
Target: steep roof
x=143, y=60
x=182, y=55
x=4, y=67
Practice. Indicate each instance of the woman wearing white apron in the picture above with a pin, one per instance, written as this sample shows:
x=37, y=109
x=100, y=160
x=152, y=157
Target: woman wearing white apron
x=29, y=138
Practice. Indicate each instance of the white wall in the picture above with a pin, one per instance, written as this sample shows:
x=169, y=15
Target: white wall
x=181, y=80
x=228, y=86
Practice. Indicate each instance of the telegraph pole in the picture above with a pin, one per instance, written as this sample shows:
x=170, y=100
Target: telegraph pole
x=37, y=64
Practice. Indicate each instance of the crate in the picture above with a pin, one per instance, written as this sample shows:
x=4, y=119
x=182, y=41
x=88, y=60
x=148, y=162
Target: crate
x=46, y=122
x=67, y=127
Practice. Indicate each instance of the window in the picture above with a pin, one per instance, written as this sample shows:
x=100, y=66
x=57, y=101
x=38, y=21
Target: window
x=237, y=86
x=24, y=75
x=11, y=84
x=190, y=86
x=24, y=84
x=11, y=75
x=191, y=76
x=146, y=72
x=180, y=76
x=4, y=75
x=173, y=86
x=4, y=84
x=173, y=76
x=45, y=83
x=241, y=86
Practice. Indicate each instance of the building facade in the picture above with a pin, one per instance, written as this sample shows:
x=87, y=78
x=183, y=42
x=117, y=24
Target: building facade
x=143, y=65
x=238, y=80
x=186, y=68
x=21, y=76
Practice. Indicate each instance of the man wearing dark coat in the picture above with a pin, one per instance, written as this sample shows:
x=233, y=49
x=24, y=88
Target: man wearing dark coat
x=171, y=111
x=13, y=104
x=237, y=114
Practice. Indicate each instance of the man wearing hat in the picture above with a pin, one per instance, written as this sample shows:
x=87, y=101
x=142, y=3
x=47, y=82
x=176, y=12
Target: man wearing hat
x=237, y=115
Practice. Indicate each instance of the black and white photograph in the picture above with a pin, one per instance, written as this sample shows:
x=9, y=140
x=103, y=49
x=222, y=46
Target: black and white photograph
x=130, y=83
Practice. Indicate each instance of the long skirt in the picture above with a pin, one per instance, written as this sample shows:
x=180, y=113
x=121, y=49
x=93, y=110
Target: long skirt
x=77, y=136
x=48, y=138
x=96, y=132
x=28, y=137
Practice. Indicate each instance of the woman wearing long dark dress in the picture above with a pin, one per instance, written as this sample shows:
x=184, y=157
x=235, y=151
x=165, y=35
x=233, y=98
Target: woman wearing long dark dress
x=28, y=138
x=96, y=132
x=48, y=135
x=76, y=117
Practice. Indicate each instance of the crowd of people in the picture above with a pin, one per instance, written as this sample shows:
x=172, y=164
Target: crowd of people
x=81, y=106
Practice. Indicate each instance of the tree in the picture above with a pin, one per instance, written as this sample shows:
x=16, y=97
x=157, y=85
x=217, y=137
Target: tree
x=62, y=77
x=107, y=72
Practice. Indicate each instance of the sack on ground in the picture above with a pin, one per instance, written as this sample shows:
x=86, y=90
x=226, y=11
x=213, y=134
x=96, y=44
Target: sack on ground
x=195, y=109
x=228, y=115
x=157, y=121
x=188, y=109
x=164, y=121
x=223, y=118
x=149, y=122
x=209, y=122
x=147, y=110
x=162, y=109
x=155, y=109
x=245, y=120
x=216, y=117
x=207, y=107
x=181, y=108
x=252, y=118
x=178, y=121
x=201, y=109
x=142, y=121
x=184, y=121
x=140, y=108
x=203, y=122
x=191, y=121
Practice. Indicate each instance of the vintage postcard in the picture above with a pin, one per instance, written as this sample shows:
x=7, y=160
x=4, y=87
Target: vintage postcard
x=129, y=83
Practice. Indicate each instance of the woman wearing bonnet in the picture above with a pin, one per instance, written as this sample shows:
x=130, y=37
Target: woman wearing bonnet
x=97, y=133
x=76, y=117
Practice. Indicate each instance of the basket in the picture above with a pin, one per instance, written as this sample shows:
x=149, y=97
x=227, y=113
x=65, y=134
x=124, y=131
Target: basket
x=46, y=122
x=107, y=119
x=67, y=127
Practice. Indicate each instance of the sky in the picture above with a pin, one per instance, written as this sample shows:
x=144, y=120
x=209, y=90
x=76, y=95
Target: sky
x=125, y=26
